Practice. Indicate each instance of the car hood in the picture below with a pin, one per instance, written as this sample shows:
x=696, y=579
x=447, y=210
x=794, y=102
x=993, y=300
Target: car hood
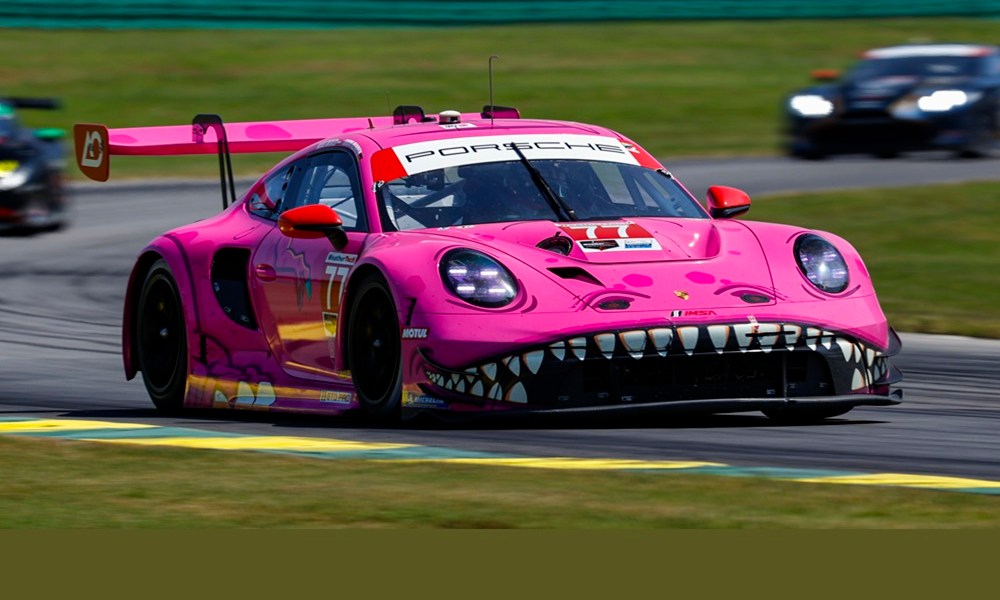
x=650, y=263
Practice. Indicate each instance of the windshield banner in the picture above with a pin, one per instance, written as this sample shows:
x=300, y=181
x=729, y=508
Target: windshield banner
x=408, y=159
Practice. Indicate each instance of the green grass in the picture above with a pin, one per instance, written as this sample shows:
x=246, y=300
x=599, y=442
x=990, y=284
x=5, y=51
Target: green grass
x=678, y=88
x=932, y=251
x=65, y=484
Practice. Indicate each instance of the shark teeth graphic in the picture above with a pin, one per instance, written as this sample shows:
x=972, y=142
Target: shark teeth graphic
x=634, y=342
x=720, y=336
x=767, y=335
x=792, y=334
x=509, y=378
x=517, y=394
x=858, y=381
x=220, y=398
x=606, y=342
x=514, y=364
x=744, y=335
x=490, y=370
x=812, y=336
x=689, y=338
x=244, y=394
x=265, y=395
x=846, y=348
x=533, y=360
x=661, y=339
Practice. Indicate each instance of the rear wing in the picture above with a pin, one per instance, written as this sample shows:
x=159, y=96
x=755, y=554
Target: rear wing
x=95, y=143
x=207, y=134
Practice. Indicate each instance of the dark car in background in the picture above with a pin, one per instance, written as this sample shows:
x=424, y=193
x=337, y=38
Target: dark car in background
x=31, y=170
x=898, y=99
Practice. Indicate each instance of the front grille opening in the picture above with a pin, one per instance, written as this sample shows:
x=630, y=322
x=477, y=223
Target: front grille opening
x=699, y=377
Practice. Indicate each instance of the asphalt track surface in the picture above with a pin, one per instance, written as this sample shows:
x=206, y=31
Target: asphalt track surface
x=61, y=297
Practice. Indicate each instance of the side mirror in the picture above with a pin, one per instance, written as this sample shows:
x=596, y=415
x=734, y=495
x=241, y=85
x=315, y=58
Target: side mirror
x=313, y=221
x=825, y=75
x=727, y=202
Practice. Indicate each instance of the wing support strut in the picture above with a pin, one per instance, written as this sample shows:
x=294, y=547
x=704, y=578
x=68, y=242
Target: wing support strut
x=199, y=126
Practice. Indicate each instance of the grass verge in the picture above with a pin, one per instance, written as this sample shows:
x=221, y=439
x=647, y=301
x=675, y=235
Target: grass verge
x=932, y=251
x=678, y=88
x=66, y=484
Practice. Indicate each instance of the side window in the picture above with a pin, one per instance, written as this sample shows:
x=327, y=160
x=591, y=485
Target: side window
x=332, y=178
x=265, y=201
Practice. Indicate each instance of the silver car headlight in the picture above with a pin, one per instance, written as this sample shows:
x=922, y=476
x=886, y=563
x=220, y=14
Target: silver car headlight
x=477, y=278
x=811, y=105
x=821, y=263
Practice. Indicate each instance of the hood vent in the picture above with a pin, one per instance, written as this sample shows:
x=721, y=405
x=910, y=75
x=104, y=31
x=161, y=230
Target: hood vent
x=575, y=273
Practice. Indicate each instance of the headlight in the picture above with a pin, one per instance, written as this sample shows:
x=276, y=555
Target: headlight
x=477, y=278
x=945, y=100
x=14, y=179
x=811, y=105
x=821, y=263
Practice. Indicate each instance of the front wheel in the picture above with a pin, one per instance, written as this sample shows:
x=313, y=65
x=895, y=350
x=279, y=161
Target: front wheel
x=161, y=339
x=374, y=348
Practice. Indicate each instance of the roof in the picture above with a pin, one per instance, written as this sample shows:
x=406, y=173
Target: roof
x=917, y=50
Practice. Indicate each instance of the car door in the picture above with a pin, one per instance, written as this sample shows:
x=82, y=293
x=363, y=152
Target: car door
x=298, y=283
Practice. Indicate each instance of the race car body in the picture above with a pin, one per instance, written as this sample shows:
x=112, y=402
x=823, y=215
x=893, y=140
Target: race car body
x=31, y=170
x=902, y=98
x=481, y=263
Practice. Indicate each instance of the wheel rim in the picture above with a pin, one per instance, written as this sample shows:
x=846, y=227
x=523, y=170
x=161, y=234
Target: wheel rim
x=161, y=335
x=375, y=348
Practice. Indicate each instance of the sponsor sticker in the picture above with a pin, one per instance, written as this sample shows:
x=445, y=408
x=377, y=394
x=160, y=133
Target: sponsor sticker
x=91, y=141
x=613, y=236
x=412, y=400
x=329, y=397
x=330, y=324
x=692, y=313
x=408, y=159
x=414, y=333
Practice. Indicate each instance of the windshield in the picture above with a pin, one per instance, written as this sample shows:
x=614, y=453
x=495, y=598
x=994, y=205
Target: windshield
x=921, y=67
x=504, y=191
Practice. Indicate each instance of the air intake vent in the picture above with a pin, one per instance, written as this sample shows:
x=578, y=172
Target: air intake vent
x=559, y=244
x=576, y=273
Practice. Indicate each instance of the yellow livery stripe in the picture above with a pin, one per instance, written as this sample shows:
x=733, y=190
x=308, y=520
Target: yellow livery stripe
x=907, y=480
x=44, y=425
x=594, y=464
x=267, y=442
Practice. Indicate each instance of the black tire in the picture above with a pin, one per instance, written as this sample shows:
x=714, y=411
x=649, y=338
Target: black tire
x=374, y=349
x=161, y=339
x=800, y=415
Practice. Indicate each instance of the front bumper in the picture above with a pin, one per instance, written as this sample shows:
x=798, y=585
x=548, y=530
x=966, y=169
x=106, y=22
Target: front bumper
x=722, y=367
x=881, y=132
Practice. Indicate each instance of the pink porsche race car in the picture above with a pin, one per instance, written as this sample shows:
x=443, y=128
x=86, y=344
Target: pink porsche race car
x=483, y=262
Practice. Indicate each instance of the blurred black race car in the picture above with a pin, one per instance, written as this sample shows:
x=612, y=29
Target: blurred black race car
x=31, y=167
x=900, y=98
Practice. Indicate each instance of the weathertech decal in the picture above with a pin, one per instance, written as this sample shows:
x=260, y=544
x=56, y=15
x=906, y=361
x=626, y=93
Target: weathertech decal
x=392, y=163
x=614, y=236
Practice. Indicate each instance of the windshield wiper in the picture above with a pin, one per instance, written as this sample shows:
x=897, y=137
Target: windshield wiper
x=560, y=206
